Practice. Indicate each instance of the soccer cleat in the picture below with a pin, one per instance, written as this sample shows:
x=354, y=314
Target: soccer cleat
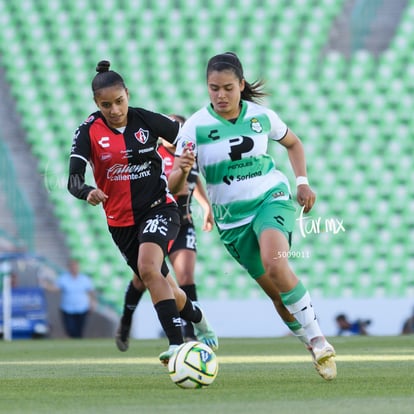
x=327, y=369
x=122, y=337
x=205, y=333
x=166, y=355
x=323, y=355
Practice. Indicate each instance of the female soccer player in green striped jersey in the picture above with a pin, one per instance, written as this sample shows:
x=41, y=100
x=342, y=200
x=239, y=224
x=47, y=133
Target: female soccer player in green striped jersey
x=251, y=199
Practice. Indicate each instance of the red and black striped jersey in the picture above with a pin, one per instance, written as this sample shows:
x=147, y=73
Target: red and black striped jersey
x=126, y=165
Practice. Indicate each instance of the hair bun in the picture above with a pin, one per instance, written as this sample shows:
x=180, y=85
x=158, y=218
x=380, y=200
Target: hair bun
x=103, y=66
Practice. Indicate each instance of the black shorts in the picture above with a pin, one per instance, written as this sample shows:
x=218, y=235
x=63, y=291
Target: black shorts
x=160, y=226
x=186, y=239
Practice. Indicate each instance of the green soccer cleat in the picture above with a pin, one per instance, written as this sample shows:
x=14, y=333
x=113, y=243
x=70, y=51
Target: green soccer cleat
x=166, y=355
x=205, y=333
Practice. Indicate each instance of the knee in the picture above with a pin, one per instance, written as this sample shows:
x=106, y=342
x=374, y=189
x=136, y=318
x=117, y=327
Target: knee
x=276, y=267
x=185, y=278
x=147, y=272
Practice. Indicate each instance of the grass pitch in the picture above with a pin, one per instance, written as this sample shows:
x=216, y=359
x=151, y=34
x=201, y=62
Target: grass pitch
x=256, y=375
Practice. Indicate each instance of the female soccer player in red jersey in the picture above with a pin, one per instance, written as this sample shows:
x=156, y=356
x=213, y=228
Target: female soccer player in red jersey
x=120, y=143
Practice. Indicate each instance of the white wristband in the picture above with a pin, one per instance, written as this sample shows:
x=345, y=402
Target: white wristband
x=301, y=180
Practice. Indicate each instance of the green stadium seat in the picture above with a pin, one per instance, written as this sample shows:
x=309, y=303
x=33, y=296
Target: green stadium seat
x=332, y=69
x=351, y=114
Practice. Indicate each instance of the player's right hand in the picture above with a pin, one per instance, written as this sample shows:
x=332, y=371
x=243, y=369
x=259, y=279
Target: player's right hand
x=96, y=197
x=186, y=160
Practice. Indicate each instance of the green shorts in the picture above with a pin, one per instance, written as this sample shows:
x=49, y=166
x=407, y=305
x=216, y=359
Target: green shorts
x=242, y=242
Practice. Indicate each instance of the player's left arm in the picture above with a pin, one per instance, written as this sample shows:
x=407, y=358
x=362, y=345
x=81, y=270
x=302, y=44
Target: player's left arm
x=296, y=153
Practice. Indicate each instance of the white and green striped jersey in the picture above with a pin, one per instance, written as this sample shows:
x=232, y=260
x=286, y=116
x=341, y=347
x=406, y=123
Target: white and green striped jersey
x=233, y=158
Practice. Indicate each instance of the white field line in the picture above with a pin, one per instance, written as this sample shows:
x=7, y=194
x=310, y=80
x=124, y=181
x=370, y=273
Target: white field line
x=222, y=360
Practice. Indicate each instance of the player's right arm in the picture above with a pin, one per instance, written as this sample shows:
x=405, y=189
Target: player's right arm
x=76, y=182
x=185, y=155
x=181, y=169
x=79, y=157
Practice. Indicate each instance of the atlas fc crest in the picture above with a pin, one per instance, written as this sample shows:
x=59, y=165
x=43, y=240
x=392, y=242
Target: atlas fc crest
x=142, y=135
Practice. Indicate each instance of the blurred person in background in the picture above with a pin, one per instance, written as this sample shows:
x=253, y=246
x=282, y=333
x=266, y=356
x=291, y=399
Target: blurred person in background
x=182, y=253
x=346, y=327
x=251, y=200
x=78, y=298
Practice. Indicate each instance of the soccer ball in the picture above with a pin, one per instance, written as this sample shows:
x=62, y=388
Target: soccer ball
x=193, y=365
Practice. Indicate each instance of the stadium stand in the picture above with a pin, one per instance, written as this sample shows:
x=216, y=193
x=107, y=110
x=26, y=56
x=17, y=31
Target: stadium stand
x=352, y=112
x=16, y=221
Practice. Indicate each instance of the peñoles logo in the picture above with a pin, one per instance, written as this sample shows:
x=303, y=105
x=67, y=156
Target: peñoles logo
x=120, y=172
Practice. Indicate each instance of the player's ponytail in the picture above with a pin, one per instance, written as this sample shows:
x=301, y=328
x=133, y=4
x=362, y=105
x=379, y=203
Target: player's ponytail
x=106, y=77
x=103, y=66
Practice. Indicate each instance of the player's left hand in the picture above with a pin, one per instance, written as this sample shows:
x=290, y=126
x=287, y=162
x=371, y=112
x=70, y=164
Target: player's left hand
x=306, y=197
x=208, y=220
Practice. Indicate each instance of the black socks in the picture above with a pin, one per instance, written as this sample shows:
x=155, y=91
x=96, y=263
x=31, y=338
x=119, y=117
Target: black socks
x=170, y=320
x=132, y=297
x=190, y=312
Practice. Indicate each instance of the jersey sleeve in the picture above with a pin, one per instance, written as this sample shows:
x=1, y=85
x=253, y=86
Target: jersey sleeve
x=79, y=157
x=81, y=144
x=160, y=124
x=186, y=138
x=278, y=129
